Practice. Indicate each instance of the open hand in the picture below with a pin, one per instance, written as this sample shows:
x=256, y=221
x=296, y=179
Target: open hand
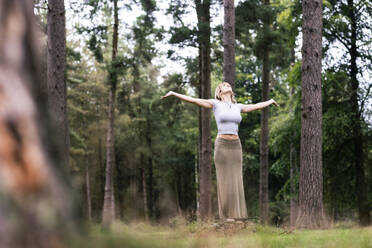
x=166, y=95
x=274, y=102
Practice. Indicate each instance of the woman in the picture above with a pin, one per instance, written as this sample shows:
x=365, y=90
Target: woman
x=227, y=148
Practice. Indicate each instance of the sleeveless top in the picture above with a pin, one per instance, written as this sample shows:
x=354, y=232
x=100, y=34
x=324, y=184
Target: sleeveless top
x=227, y=116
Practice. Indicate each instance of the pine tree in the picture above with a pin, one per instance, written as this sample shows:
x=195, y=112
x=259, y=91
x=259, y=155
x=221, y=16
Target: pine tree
x=229, y=43
x=56, y=66
x=108, y=213
x=205, y=145
x=311, y=212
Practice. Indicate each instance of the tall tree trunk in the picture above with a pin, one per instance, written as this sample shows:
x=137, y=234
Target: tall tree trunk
x=149, y=144
x=229, y=43
x=264, y=148
x=361, y=188
x=56, y=67
x=196, y=169
x=151, y=189
x=102, y=174
x=311, y=212
x=144, y=188
x=108, y=206
x=205, y=153
x=87, y=186
x=108, y=213
x=29, y=182
x=293, y=160
x=293, y=174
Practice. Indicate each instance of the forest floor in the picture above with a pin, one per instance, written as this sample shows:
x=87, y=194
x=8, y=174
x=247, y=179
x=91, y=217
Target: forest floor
x=232, y=235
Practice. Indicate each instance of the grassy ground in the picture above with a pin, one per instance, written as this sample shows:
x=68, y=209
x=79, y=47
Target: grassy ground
x=214, y=235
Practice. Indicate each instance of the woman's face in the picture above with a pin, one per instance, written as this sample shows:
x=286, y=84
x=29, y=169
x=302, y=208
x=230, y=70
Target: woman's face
x=226, y=87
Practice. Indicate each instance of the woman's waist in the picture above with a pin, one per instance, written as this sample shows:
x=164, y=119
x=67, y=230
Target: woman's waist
x=228, y=136
x=228, y=141
x=222, y=143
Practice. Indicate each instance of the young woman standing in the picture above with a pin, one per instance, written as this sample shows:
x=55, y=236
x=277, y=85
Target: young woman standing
x=228, y=156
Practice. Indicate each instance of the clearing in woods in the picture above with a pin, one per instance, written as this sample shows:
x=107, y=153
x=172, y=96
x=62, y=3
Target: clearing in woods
x=245, y=234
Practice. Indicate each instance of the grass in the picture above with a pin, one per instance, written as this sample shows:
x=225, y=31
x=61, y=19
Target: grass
x=248, y=235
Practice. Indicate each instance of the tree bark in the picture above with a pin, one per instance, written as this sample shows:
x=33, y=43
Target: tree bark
x=102, y=174
x=264, y=148
x=293, y=161
x=293, y=174
x=57, y=91
x=150, y=168
x=108, y=213
x=87, y=185
x=360, y=184
x=144, y=189
x=264, y=139
x=151, y=189
x=196, y=169
x=205, y=152
x=229, y=43
x=311, y=212
x=27, y=172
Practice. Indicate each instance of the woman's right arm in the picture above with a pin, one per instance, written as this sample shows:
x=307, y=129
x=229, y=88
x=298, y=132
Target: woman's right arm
x=205, y=103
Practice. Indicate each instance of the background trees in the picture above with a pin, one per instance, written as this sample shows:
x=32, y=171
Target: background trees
x=158, y=155
x=345, y=24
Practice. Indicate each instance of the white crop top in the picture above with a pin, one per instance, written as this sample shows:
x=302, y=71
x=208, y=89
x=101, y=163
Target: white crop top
x=227, y=116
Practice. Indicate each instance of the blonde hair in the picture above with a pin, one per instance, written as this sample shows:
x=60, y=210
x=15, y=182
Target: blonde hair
x=218, y=91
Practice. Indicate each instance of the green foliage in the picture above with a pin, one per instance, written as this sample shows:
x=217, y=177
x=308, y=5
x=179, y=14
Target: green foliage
x=183, y=36
x=260, y=20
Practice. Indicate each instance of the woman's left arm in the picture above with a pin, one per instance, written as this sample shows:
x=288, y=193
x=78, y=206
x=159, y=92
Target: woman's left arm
x=260, y=105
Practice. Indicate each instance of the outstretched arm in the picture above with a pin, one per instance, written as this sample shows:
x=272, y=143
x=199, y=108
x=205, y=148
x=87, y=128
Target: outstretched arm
x=260, y=105
x=205, y=103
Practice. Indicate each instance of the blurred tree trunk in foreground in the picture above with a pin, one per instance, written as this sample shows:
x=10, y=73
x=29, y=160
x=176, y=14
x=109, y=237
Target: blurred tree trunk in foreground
x=34, y=206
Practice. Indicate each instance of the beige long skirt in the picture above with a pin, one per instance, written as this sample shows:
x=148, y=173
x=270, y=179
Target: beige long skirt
x=228, y=160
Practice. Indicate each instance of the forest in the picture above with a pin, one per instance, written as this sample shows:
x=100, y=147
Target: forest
x=90, y=153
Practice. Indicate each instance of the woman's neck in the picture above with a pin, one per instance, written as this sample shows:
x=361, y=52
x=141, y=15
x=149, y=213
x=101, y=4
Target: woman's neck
x=226, y=98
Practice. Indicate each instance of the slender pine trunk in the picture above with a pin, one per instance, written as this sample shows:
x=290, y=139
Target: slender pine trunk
x=196, y=169
x=149, y=195
x=205, y=153
x=264, y=139
x=56, y=67
x=358, y=140
x=87, y=186
x=108, y=213
x=151, y=189
x=264, y=148
x=229, y=43
x=144, y=191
